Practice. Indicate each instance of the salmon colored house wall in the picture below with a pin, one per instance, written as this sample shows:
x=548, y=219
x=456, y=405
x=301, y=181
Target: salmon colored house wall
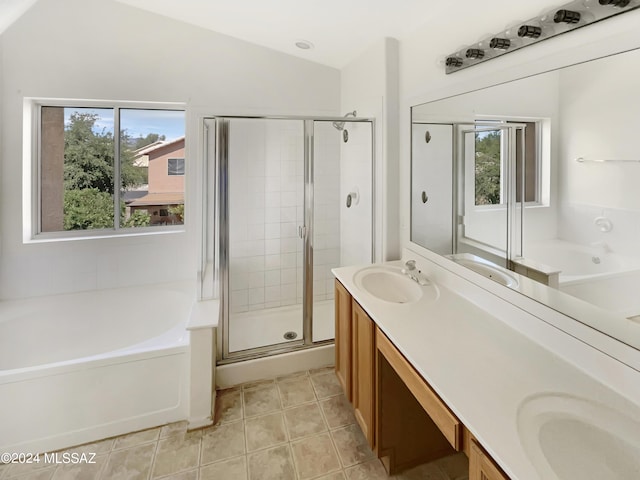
x=159, y=179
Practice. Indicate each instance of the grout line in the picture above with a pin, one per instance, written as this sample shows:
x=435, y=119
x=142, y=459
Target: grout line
x=153, y=458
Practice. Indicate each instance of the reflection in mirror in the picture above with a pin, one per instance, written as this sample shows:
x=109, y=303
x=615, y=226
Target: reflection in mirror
x=539, y=175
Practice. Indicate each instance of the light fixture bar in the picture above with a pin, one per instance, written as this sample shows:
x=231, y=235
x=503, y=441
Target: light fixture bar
x=556, y=21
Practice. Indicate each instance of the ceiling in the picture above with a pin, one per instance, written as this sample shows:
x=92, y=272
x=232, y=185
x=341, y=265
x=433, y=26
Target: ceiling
x=11, y=10
x=340, y=30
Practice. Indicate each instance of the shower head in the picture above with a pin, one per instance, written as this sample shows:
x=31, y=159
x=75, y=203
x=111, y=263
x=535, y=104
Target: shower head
x=340, y=125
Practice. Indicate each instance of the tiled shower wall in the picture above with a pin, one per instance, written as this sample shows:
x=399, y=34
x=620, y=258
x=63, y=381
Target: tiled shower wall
x=266, y=206
x=327, y=204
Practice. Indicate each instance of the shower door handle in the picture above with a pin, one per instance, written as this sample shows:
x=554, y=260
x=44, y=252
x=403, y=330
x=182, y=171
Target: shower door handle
x=302, y=231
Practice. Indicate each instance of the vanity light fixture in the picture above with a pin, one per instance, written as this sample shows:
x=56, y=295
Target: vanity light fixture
x=565, y=18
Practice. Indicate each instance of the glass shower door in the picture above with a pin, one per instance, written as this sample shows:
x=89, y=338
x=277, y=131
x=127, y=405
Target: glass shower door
x=265, y=166
x=342, y=216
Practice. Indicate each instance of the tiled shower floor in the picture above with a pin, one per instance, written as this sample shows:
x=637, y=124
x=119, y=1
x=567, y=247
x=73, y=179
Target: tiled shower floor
x=295, y=427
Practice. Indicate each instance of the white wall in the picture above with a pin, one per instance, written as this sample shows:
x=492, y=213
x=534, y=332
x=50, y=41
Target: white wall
x=600, y=121
x=432, y=173
x=369, y=84
x=356, y=175
x=92, y=49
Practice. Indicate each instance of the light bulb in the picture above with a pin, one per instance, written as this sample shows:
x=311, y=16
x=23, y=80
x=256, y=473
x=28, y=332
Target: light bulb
x=474, y=53
x=614, y=3
x=453, y=61
x=573, y=18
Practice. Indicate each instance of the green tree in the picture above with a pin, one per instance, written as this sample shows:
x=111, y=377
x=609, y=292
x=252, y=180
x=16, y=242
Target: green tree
x=87, y=208
x=139, y=218
x=487, y=168
x=89, y=174
x=144, y=141
x=89, y=156
x=178, y=211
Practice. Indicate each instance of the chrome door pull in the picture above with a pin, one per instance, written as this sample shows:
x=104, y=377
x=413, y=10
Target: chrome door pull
x=302, y=231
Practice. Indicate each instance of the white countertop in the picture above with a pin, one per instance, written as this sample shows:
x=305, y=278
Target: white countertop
x=481, y=367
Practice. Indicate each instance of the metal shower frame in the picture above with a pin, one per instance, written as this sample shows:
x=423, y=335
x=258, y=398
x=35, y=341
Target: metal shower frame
x=221, y=219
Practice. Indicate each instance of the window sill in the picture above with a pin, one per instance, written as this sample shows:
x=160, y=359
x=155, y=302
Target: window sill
x=74, y=236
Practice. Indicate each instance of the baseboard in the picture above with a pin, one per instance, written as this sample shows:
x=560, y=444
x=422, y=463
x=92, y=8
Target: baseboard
x=263, y=368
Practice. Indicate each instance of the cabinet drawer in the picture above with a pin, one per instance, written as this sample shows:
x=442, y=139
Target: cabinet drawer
x=446, y=421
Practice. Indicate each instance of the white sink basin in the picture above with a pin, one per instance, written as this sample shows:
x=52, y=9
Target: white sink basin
x=484, y=268
x=391, y=285
x=569, y=438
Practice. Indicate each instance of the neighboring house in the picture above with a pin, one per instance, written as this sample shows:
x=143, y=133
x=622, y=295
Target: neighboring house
x=165, y=161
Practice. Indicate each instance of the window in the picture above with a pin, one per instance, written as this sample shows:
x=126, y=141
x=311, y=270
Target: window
x=175, y=166
x=490, y=164
x=103, y=168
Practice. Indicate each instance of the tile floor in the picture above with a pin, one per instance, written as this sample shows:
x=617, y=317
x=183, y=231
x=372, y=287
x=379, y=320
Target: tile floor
x=296, y=427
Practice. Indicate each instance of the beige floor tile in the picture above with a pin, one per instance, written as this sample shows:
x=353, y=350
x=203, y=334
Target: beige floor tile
x=271, y=464
x=82, y=471
x=352, y=445
x=136, y=438
x=228, y=407
x=42, y=474
x=337, y=411
x=371, y=470
x=428, y=471
x=296, y=391
x=322, y=370
x=176, y=454
x=173, y=429
x=130, y=464
x=454, y=467
x=304, y=420
x=190, y=475
x=326, y=385
x=99, y=447
x=222, y=442
x=314, y=456
x=291, y=376
x=258, y=384
x=258, y=401
x=333, y=476
x=17, y=469
x=266, y=431
x=232, y=469
x=4, y=468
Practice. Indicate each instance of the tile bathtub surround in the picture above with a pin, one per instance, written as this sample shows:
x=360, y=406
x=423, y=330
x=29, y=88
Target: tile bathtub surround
x=296, y=427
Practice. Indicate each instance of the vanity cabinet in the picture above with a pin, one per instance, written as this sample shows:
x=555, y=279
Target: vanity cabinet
x=481, y=466
x=363, y=371
x=402, y=417
x=355, y=358
x=343, y=337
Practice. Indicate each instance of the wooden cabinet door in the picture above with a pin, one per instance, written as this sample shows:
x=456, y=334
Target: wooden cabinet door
x=482, y=466
x=343, y=337
x=363, y=370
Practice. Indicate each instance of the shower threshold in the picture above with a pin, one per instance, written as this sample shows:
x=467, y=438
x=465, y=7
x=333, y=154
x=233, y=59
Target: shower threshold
x=260, y=328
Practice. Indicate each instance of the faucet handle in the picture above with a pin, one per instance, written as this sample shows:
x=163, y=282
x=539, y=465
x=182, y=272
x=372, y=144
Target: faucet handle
x=410, y=264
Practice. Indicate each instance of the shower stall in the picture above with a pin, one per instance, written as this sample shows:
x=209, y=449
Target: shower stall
x=293, y=198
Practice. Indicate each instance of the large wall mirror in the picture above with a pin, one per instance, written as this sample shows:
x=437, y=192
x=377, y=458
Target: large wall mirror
x=540, y=176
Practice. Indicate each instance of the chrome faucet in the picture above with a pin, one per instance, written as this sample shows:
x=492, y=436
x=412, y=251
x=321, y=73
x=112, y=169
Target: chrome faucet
x=413, y=273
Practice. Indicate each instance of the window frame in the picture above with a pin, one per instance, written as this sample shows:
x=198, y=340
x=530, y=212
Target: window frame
x=32, y=168
x=169, y=174
x=543, y=146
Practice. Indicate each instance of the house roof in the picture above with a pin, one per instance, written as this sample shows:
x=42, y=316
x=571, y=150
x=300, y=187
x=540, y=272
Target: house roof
x=157, y=145
x=151, y=199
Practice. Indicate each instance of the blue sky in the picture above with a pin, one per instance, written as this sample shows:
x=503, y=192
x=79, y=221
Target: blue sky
x=137, y=122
